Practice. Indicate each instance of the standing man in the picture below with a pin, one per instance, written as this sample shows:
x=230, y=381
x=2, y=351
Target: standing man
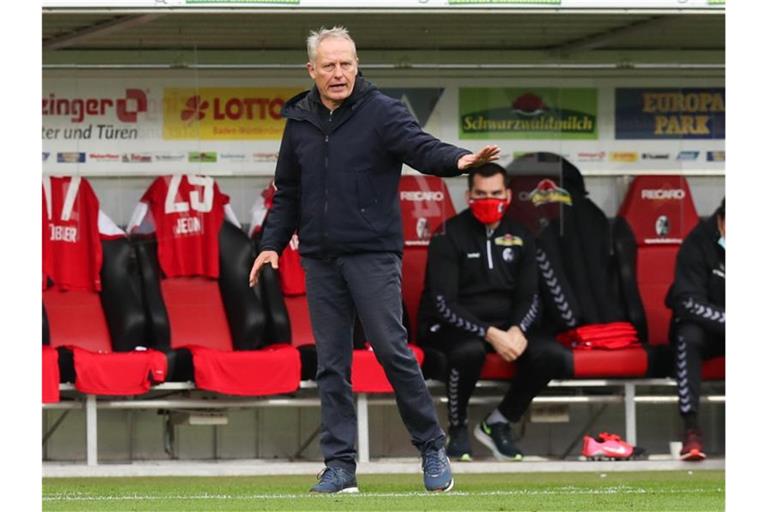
x=481, y=295
x=697, y=300
x=337, y=180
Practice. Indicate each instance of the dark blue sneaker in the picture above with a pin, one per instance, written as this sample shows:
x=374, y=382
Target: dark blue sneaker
x=458, y=444
x=437, y=470
x=335, y=480
x=498, y=438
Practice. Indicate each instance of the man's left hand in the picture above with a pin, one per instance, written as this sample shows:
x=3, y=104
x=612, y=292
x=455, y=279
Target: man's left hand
x=487, y=154
x=519, y=341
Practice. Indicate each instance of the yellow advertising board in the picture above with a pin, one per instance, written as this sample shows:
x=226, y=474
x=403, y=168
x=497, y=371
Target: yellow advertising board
x=224, y=113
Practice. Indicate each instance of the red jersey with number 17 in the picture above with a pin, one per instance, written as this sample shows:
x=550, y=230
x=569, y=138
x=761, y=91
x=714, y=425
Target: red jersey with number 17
x=71, y=241
x=187, y=211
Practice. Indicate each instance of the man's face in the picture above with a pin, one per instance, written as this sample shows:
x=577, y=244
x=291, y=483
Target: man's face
x=334, y=70
x=492, y=186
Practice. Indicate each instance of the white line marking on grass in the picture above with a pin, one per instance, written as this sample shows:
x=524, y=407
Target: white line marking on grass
x=573, y=491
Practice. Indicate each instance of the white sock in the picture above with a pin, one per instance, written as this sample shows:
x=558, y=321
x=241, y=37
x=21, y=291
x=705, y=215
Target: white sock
x=496, y=417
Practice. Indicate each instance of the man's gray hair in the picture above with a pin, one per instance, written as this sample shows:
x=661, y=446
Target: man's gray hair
x=317, y=37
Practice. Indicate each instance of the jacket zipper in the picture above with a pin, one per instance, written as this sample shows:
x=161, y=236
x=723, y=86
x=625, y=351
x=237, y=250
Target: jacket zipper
x=488, y=234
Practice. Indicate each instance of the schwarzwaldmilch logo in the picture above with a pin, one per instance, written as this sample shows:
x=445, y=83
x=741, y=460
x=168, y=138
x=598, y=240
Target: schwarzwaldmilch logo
x=526, y=113
x=529, y=105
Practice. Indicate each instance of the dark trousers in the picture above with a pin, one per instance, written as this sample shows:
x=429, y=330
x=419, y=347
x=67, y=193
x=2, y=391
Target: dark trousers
x=544, y=359
x=693, y=344
x=369, y=284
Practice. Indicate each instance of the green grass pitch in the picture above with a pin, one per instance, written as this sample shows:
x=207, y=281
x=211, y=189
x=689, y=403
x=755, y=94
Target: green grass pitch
x=615, y=491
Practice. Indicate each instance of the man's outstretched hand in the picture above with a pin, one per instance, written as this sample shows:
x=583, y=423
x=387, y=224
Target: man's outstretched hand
x=262, y=259
x=485, y=155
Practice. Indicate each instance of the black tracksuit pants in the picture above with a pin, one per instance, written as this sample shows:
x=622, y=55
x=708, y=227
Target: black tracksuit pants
x=693, y=344
x=544, y=359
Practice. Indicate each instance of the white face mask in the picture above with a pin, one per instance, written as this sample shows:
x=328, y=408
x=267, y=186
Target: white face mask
x=721, y=241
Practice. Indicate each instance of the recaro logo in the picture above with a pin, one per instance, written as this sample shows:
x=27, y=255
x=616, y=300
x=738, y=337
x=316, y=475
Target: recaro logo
x=419, y=195
x=232, y=109
x=662, y=193
x=126, y=109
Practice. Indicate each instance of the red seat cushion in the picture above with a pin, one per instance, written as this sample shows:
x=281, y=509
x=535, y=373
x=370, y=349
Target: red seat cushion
x=368, y=375
x=76, y=319
x=655, y=273
x=118, y=373
x=495, y=368
x=196, y=313
x=301, y=326
x=50, y=375
x=713, y=369
x=622, y=363
x=272, y=370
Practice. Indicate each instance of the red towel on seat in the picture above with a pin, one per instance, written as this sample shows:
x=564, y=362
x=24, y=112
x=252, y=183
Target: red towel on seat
x=269, y=371
x=610, y=336
x=50, y=375
x=118, y=373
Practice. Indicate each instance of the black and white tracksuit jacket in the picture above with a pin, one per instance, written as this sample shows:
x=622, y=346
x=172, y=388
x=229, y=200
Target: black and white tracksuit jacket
x=476, y=279
x=698, y=292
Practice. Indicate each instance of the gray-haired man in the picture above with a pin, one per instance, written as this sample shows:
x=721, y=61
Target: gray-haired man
x=337, y=179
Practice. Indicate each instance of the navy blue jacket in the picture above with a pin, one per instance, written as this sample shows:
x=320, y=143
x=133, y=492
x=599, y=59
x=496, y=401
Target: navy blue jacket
x=338, y=172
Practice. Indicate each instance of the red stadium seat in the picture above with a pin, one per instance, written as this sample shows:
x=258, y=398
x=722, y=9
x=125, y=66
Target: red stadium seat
x=657, y=214
x=91, y=297
x=219, y=319
x=425, y=204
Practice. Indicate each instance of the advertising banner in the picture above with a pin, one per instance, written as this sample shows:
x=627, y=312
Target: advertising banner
x=668, y=113
x=102, y=126
x=219, y=113
x=536, y=113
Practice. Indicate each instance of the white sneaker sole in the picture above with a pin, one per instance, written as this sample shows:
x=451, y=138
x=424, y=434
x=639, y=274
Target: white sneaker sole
x=447, y=489
x=486, y=440
x=348, y=490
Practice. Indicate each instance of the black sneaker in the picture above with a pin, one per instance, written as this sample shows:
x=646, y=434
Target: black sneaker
x=458, y=444
x=335, y=480
x=498, y=438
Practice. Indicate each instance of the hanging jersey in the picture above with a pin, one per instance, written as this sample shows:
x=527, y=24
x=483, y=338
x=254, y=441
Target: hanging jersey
x=292, y=278
x=187, y=211
x=260, y=209
x=73, y=228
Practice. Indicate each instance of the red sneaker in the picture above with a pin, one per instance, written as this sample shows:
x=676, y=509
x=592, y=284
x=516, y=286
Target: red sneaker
x=692, y=446
x=606, y=446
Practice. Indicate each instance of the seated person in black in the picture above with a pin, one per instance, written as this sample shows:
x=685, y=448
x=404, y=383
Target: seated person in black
x=697, y=332
x=481, y=295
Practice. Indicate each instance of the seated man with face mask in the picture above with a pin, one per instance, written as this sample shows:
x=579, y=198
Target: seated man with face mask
x=481, y=295
x=697, y=332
